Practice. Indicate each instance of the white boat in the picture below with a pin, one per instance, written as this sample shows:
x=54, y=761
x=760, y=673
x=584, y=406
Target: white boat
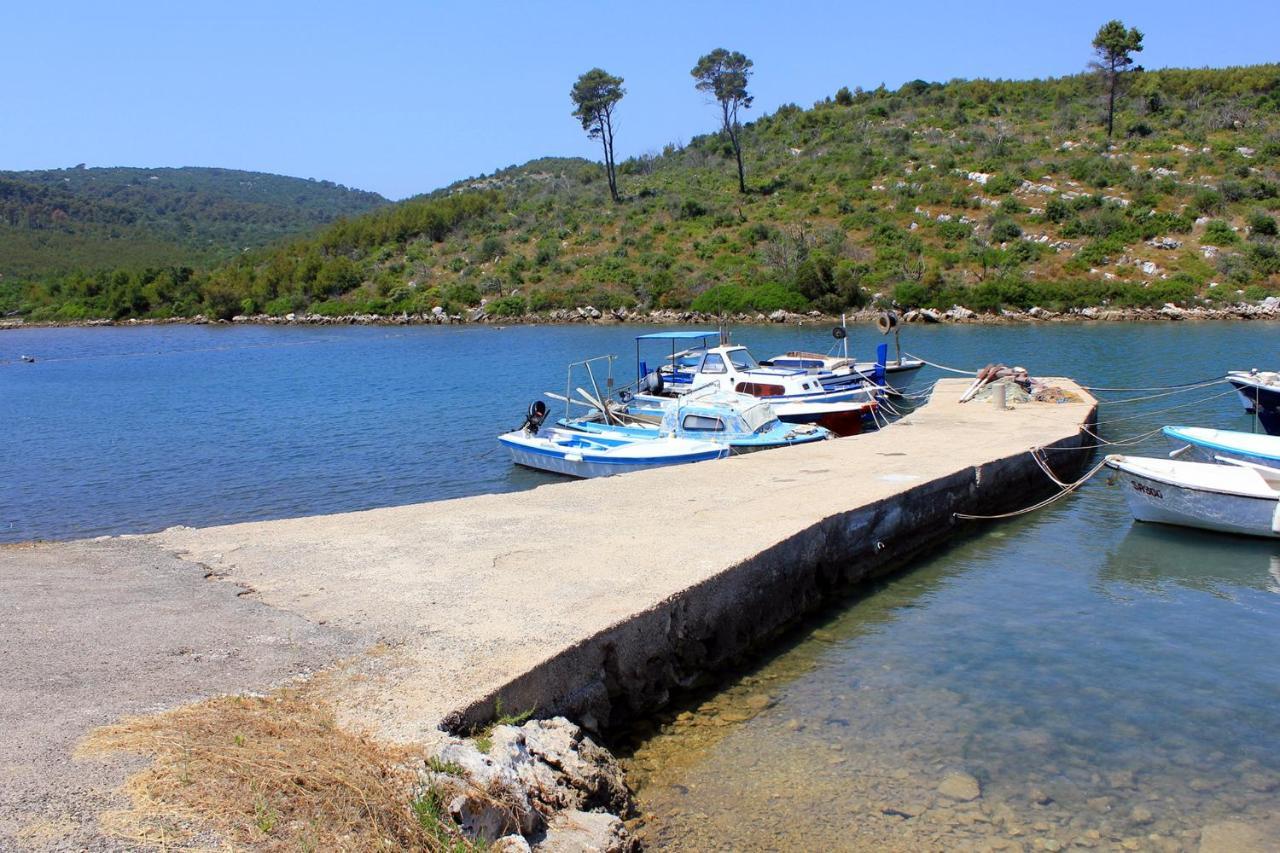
x=1239, y=498
x=836, y=369
x=1201, y=444
x=579, y=454
x=1260, y=394
x=732, y=368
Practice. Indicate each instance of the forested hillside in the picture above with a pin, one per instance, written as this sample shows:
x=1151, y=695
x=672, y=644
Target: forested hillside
x=984, y=193
x=62, y=220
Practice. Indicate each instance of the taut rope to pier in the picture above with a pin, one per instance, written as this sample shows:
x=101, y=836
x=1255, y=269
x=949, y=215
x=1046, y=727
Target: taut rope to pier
x=1067, y=488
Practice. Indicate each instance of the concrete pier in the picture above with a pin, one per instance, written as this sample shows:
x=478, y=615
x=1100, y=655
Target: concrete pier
x=592, y=598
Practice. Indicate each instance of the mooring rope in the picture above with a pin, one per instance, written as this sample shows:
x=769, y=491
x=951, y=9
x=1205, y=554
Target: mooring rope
x=942, y=366
x=1186, y=405
x=1120, y=442
x=1066, y=490
x=1198, y=382
x=1180, y=389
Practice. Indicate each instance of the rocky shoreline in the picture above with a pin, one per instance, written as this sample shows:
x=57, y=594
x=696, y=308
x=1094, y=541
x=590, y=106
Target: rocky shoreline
x=542, y=786
x=1266, y=309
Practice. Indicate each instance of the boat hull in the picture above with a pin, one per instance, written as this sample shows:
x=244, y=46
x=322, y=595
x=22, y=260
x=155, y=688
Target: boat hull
x=1195, y=444
x=1260, y=399
x=529, y=452
x=736, y=445
x=1156, y=500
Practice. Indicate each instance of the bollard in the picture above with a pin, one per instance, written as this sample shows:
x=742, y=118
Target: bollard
x=999, y=392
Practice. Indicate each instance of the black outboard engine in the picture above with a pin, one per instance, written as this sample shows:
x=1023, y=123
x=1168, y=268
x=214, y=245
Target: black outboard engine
x=534, y=417
x=650, y=383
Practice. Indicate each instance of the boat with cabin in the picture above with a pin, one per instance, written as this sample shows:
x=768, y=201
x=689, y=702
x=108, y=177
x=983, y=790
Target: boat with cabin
x=796, y=395
x=742, y=422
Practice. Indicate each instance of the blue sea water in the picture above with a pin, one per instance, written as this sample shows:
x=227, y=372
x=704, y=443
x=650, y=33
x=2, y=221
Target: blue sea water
x=118, y=430
x=1106, y=683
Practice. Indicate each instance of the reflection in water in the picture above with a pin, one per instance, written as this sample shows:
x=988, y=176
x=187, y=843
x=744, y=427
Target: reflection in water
x=1152, y=556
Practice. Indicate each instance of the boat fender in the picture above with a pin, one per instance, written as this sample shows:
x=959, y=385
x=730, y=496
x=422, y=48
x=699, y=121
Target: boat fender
x=839, y=333
x=534, y=417
x=887, y=322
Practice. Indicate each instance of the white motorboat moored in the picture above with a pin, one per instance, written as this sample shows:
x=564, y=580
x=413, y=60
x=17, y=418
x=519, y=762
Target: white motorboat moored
x=1238, y=498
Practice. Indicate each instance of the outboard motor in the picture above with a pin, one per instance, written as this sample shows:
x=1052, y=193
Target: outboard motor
x=650, y=383
x=534, y=417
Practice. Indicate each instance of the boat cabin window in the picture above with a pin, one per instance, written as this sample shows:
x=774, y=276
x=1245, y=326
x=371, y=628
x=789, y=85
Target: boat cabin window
x=760, y=389
x=742, y=360
x=703, y=423
x=713, y=363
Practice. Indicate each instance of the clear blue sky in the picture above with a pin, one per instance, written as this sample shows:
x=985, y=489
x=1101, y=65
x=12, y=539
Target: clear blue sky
x=404, y=97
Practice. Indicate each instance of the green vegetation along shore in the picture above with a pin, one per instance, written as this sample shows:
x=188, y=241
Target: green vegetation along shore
x=988, y=194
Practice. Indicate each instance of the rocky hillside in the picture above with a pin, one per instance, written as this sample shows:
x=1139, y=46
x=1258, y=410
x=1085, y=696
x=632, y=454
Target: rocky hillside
x=989, y=194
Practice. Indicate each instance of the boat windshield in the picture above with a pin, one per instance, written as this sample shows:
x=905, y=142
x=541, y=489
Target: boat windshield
x=741, y=359
x=757, y=416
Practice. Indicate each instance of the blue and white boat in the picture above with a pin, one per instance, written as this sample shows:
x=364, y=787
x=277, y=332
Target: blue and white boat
x=731, y=368
x=1201, y=444
x=1260, y=393
x=579, y=454
x=741, y=422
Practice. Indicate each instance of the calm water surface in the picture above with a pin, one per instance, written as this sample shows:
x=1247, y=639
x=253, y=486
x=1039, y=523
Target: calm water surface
x=1107, y=685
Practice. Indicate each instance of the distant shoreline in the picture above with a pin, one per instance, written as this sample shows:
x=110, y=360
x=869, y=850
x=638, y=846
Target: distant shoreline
x=1266, y=310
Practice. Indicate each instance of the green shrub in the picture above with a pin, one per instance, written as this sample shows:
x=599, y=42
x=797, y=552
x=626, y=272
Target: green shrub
x=1004, y=229
x=1261, y=223
x=507, y=306
x=1002, y=183
x=1219, y=233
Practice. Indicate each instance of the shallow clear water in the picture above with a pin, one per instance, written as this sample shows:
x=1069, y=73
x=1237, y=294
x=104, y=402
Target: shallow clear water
x=1104, y=683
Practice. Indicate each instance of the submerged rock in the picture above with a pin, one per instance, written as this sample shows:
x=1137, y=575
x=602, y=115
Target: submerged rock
x=960, y=787
x=1234, y=836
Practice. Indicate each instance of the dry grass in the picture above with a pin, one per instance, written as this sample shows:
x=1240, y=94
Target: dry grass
x=272, y=773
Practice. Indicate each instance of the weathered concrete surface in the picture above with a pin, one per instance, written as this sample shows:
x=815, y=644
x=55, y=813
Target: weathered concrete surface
x=593, y=598
x=94, y=631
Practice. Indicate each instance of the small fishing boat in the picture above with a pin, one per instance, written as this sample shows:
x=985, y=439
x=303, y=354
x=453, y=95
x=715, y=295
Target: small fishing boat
x=1201, y=444
x=579, y=454
x=740, y=421
x=1260, y=393
x=837, y=369
x=1239, y=498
